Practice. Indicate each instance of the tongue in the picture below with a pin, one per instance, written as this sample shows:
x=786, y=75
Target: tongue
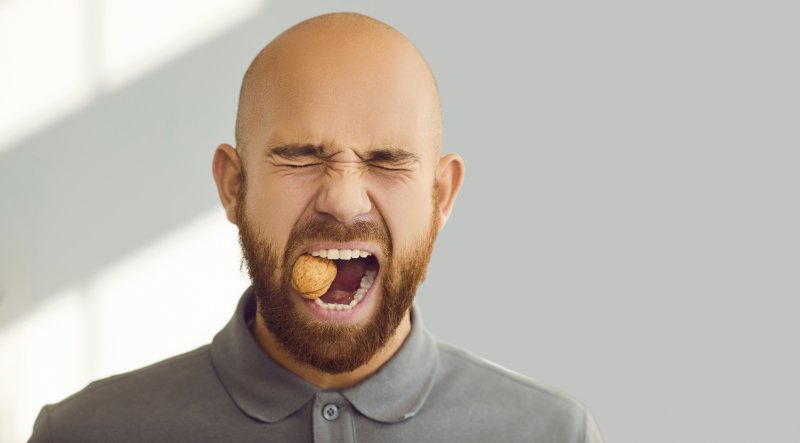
x=347, y=281
x=348, y=274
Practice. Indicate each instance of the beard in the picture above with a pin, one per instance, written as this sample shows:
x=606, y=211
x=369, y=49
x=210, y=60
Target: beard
x=333, y=348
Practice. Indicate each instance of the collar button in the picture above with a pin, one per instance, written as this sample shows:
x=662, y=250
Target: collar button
x=330, y=412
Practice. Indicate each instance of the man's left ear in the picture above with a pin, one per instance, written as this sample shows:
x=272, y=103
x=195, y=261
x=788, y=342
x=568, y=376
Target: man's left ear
x=449, y=175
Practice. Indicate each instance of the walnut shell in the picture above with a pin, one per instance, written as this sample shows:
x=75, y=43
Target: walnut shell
x=312, y=276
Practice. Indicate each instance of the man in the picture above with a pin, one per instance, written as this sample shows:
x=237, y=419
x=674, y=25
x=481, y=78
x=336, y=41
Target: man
x=337, y=165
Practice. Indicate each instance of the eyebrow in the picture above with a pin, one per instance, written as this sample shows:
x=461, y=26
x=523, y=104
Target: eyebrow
x=391, y=154
x=294, y=151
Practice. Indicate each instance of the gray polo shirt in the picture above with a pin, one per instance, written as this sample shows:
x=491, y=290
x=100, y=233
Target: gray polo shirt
x=232, y=391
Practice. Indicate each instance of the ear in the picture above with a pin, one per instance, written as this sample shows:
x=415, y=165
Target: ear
x=227, y=170
x=449, y=175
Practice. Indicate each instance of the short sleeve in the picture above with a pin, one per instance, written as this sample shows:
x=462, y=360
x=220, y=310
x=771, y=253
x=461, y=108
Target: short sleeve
x=41, y=428
x=591, y=431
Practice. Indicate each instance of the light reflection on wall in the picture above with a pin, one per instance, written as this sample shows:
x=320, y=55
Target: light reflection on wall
x=57, y=58
x=115, y=322
x=44, y=74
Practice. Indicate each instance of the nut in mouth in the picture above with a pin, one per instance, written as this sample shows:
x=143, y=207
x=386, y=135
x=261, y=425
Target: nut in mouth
x=336, y=279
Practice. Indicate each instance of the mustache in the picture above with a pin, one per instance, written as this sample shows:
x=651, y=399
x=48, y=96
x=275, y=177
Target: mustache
x=326, y=229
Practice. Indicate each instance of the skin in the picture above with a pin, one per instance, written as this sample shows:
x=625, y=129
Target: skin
x=350, y=84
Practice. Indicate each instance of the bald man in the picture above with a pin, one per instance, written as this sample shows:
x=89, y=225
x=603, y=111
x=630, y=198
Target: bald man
x=338, y=188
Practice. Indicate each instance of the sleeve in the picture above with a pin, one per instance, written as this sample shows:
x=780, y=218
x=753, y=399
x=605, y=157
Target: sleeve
x=591, y=431
x=41, y=428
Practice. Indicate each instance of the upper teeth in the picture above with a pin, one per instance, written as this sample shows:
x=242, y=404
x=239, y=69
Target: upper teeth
x=340, y=254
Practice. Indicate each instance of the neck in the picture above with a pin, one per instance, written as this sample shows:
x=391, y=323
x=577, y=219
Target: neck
x=321, y=379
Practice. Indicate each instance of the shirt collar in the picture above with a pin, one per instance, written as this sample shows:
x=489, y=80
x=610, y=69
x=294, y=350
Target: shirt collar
x=267, y=391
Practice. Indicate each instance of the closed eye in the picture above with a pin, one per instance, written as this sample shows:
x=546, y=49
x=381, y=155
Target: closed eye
x=307, y=165
x=387, y=168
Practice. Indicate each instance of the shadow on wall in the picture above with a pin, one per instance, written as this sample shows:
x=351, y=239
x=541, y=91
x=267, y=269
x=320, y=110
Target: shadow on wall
x=129, y=167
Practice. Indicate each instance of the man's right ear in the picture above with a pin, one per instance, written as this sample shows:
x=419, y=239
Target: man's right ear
x=227, y=170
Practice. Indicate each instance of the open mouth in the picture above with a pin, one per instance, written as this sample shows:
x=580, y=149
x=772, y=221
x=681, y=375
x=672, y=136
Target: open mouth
x=355, y=275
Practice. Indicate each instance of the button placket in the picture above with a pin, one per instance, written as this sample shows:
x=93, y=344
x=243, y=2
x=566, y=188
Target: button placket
x=332, y=418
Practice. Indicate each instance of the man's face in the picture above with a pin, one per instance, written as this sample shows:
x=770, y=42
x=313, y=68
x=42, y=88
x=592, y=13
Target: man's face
x=343, y=160
x=340, y=344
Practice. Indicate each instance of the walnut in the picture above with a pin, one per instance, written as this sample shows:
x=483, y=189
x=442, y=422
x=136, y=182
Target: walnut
x=312, y=276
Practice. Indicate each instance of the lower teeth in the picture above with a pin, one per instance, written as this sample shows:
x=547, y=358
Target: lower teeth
x=366, y=282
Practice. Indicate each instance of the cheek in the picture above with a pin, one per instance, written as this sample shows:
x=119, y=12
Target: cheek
x=407, y=214
x=274, y=207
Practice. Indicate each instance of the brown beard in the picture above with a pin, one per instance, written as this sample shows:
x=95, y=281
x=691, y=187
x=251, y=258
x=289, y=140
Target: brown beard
x=329, y=347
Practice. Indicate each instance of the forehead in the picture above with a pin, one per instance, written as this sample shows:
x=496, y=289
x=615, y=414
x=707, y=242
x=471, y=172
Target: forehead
x=353, y=97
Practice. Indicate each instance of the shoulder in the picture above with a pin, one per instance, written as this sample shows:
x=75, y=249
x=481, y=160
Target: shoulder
x=511, y=400
x=462, y=366
x=134, y=400
x=160, y=379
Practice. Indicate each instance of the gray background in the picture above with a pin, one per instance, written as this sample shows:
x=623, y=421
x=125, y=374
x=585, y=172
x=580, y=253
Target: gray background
x=628, y=231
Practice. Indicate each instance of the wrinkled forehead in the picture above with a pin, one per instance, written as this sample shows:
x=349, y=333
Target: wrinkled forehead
x=341, y=89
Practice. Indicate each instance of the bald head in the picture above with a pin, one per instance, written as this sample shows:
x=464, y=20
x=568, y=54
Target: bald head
x=341, y=75
x=339, y=132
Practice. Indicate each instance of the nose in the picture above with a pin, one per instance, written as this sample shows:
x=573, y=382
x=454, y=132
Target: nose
x=343, y=196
